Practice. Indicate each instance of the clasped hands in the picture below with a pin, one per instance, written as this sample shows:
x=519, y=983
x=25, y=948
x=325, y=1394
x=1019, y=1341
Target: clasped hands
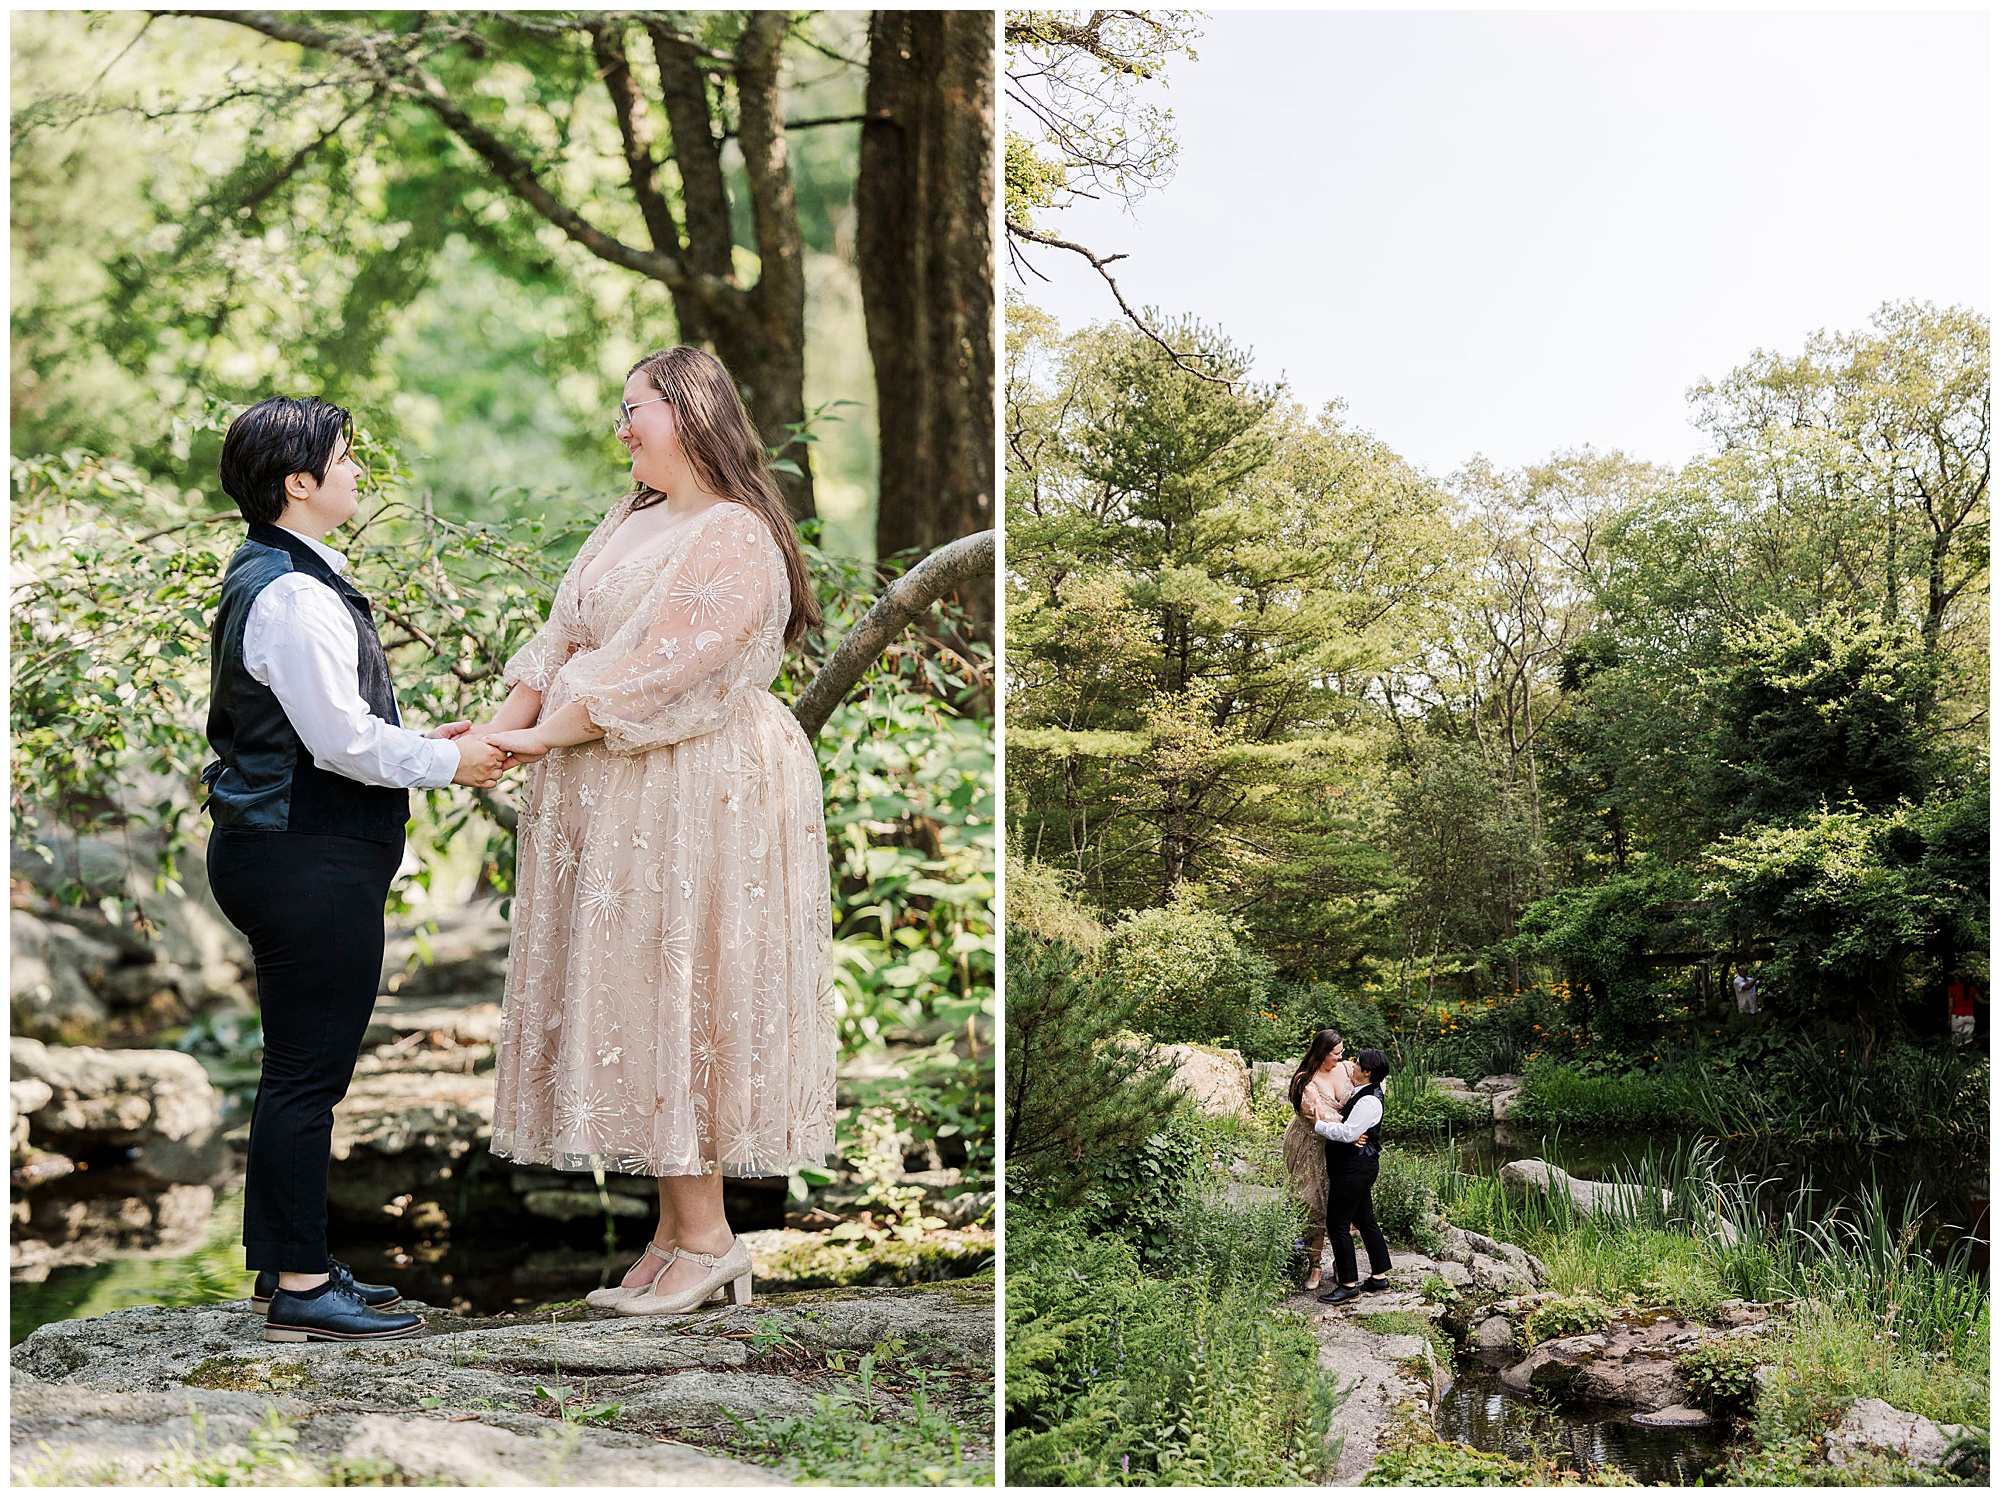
x=485, y=752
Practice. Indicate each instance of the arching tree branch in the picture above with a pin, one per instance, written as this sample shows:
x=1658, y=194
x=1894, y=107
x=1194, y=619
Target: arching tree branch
x=397, y=75
x=904, y=600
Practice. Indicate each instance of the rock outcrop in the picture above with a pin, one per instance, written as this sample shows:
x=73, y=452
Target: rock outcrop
x=1872, y=1426
x=81, y=977
x=1394, y=1380
x=1630, y=1359
x=148, y=1126
x=1475, y=1264
x=1216, y=1081
x=497, y=1401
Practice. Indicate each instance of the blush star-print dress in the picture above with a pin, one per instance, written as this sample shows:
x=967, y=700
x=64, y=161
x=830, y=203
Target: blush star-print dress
x=666, y=1011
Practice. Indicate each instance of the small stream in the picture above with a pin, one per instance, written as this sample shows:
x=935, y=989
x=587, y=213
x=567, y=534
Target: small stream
x=1480, y=1411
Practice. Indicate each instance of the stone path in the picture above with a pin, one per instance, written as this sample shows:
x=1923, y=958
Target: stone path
x=122, y=1397
x=1390, y=1378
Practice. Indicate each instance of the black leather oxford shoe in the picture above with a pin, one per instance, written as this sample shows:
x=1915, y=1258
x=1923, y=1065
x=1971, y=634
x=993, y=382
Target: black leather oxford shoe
x=335, y=1315
x=374, y=1296
x=1374, y=1285
x=1340, y=1294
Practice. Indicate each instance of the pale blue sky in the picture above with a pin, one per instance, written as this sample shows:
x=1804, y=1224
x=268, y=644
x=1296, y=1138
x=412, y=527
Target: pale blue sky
x=1515, y=232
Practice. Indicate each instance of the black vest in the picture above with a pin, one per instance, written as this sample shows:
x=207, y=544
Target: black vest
x=1370, y=1142
x=263, y=776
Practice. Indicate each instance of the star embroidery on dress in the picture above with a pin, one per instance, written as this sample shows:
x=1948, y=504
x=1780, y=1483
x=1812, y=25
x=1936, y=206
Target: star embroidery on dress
x=704, y=597
x=562, y=854
x=674, y=947
x=609, y=1057
x=603, y=898
x=667, y=649
x=739, y=1141
x=587, y=794
x=639, y=841
x=582, y=1111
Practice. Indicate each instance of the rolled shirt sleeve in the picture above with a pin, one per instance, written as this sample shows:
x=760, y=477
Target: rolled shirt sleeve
x=1367, y=1113
x=301, y=642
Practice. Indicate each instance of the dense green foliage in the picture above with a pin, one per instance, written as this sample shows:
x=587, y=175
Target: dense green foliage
x=257, y=220
x=1196, y=1377
x=1531, y=763
x=1091, y=1121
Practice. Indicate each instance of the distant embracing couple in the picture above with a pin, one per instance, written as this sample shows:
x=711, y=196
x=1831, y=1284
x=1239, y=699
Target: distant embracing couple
x=1333, y=1151
x=664, y=1013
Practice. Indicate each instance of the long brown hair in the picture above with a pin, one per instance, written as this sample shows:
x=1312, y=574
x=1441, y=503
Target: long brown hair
x=1321, y=1047
x=722, y=448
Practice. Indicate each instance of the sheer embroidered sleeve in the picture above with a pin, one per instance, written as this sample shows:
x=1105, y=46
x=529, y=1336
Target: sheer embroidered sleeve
x=691, y=648
x=535, y=664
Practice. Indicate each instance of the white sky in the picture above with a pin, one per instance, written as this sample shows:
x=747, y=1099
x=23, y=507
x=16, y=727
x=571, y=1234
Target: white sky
x=1515, y=232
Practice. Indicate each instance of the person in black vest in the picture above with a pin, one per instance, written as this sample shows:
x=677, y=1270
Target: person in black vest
x=309, y=792
x=1353, y=1159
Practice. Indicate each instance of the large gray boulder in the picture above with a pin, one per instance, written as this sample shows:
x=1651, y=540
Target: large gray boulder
x=1520, y=1178
x=1486, y=1267
x=1871, y=1426
x=181, y=958
x=1216, y=1080
x=1272, y=1078
x=157, y=1101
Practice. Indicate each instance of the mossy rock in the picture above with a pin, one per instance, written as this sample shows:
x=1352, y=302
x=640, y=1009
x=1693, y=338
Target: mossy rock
x=248, y=1375
x=817, y=1262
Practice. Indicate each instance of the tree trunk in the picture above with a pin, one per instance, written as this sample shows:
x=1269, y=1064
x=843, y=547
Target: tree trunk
x=923, y=204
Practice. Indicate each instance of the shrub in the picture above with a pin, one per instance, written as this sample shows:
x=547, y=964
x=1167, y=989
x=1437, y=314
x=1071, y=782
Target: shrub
x=1563, y=1317
x=1115, y=1378
x=1076, y=1097
x=1721, y=1375
x=1135, y=1192
x=1282, y=1026
x=1405, y=1191
x=1447, y=1465
x=1185, y=966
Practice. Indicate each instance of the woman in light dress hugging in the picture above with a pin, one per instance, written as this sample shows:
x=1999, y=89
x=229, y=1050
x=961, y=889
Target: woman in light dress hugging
x=666, y=1013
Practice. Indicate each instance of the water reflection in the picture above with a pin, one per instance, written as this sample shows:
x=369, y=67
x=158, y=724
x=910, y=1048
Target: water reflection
x=211, y=1273
x=1482, y=1412
x=1951, y=1181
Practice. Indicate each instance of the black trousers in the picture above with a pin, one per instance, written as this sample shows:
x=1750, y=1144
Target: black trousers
x=311, y=907
x=1350, y=1202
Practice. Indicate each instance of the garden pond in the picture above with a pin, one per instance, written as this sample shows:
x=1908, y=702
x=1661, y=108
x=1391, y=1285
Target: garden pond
x=1480, y=1411
x=1951, y=1181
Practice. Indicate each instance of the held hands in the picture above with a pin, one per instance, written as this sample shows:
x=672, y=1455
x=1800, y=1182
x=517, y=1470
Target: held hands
x=481, y=761
x=520, y=745
x=480, y=764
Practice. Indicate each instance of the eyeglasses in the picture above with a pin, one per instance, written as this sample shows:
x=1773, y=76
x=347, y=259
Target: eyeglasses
x=623, y=420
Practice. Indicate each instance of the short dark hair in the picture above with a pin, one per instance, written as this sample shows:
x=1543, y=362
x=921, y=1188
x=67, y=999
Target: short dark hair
x=270, y=442
x=1374, y=1062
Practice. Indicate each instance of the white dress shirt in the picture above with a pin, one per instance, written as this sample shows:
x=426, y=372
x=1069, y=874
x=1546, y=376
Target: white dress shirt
x=1367, y=1113
x=300, y=641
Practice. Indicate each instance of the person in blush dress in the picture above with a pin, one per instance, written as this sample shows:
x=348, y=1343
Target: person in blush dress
x=666, y=1012
x=1319, y=1089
